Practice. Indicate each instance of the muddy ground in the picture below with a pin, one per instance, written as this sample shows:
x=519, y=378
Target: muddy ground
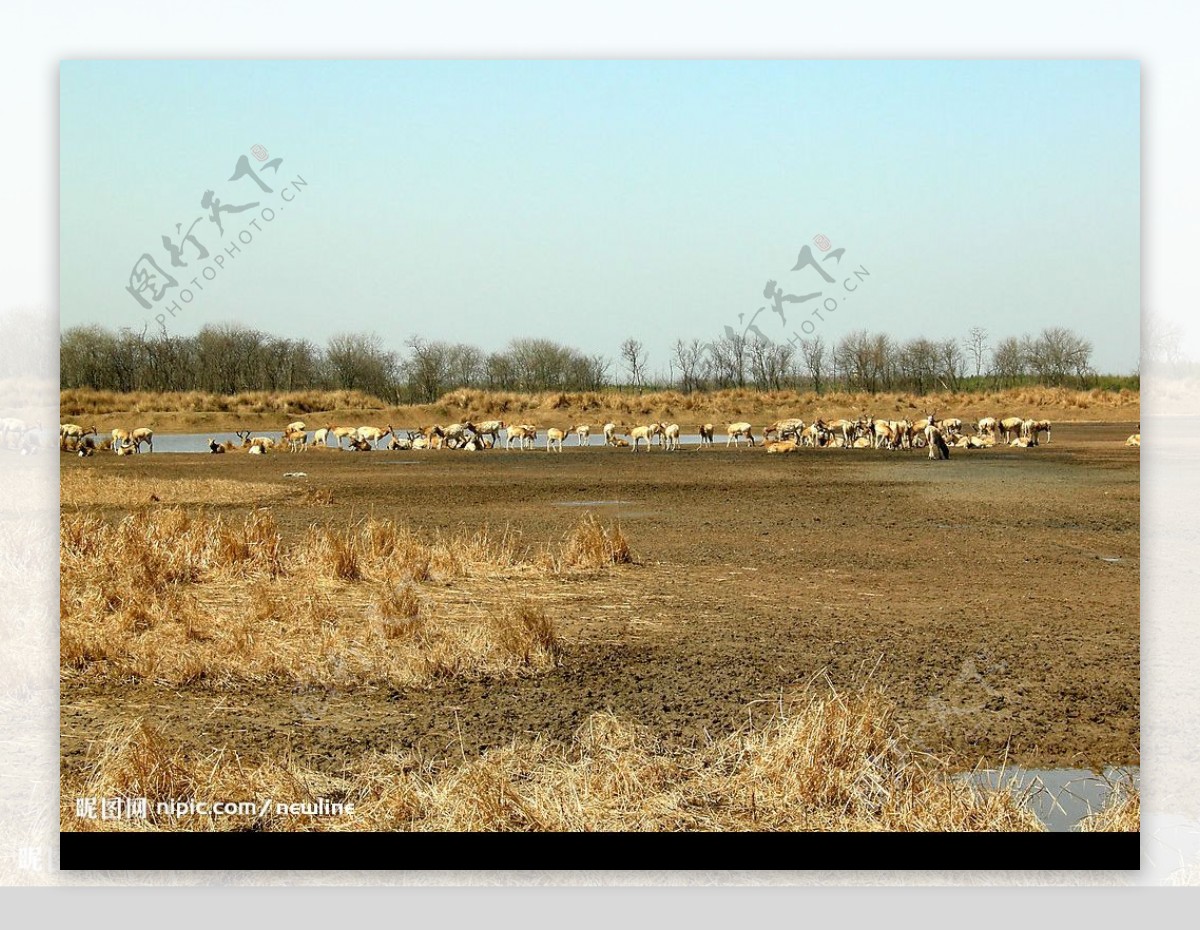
x=993, y=596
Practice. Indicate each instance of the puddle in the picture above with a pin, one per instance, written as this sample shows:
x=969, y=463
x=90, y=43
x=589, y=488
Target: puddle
x=1059, y=797
x=198, y=442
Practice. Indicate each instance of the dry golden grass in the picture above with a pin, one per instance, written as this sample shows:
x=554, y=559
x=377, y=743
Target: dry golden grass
x=85, y=487
x=1122, y=813
x=769, y=405
x=592, y=545
x=138, y=762
x=181, y=597
x=315, y=497
x=839, y=763
x=84, y=402
x=195, y=410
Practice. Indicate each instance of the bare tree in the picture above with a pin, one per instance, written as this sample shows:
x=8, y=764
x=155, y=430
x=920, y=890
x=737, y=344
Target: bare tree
x=770, y=363
x=1009, y=360
x=464, y=364
x=359, y=361
x=857, y=355
x=429, y=369
x=595, y=369
x=499, y=372
x=813, y=351
x=290, y=364
x=727, y=358
x=882, y=355
x=860, y=358
x=950, y=363
x=228, y=358
x=689, y=359
x=1079, y=357
x=977, y=346
x=635, y=357
x=1057, y=353
x=918, y=362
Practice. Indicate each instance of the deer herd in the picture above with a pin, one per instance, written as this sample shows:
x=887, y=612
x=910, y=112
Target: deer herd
x=74, y=438
x=938, y=435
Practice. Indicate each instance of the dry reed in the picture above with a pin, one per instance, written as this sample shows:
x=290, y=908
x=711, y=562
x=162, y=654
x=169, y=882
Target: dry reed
x=1121, y=814
x=839, y=763
x=180, y=597
x=262, y=409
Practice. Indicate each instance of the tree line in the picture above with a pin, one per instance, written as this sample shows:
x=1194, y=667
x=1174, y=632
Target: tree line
x=873, y=362
x=231, y=358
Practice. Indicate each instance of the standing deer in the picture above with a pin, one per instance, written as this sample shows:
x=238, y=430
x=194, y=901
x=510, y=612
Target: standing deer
x=938, y=449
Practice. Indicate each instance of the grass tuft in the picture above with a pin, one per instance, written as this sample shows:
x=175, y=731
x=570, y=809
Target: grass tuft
x=181, y=597
x=836, y=763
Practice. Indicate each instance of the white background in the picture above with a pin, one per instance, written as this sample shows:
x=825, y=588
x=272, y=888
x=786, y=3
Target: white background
x=34, y=37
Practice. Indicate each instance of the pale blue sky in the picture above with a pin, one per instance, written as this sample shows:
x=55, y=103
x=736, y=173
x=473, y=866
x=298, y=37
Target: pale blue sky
x=591, y=201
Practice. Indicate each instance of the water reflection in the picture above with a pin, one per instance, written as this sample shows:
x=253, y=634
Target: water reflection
x=1059, y=797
